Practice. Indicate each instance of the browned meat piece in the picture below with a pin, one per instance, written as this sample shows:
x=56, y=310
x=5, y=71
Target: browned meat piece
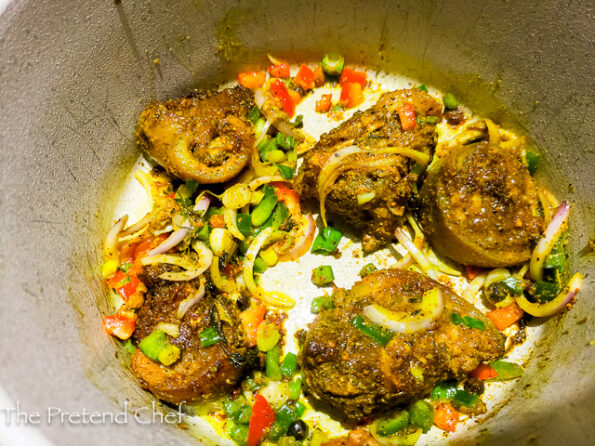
x=202, y=373
x=480, y=207
x=388, y=183
x=352, y=372
x=205, y=136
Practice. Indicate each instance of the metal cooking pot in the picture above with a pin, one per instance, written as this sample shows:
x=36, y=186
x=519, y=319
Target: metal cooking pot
x=74, y=77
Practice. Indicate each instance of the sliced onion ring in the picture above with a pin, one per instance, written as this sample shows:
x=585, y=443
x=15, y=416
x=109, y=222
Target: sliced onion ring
x=432, y=305
x=419, y=256
x=189, y=302
x=302, y=245
x=172, y=241
x=110, y=246
x=230, y=216
x=192, y=270
x=548, y=240
x=556, y=305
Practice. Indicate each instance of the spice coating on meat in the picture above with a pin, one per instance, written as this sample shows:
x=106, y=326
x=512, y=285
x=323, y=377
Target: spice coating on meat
x=205, y=137
x=352, y=372
x=389, y=185
x=201, y=373
x=480, y=207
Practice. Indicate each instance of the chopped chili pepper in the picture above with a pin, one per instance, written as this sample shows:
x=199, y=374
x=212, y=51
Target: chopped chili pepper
x=251, y=319
x=372, y=330
x=472, y=271
x=280, y=91
x=407, y=116
x=295, y=96
x=350, y=76
x=120, y=325
x=252, y=79
x=504, y=317
x=483, y=371
x=124, y=284
x=305, y=78
x=324, y=103
x=280, y=71
x=262, y=418
x=351, y=94
x=446, y=417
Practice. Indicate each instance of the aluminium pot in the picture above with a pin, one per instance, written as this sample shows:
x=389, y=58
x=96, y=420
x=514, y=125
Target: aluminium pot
x=74, y=77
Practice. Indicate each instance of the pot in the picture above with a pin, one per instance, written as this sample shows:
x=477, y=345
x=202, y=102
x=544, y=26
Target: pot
x=74, y=79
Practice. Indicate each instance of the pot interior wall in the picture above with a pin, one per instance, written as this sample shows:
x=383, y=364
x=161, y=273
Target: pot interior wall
x=74, y=80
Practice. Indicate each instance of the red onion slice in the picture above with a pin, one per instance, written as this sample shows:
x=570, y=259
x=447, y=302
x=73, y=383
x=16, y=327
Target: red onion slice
x=548, y=240
x=303, y=244
x=202, y=204
x=555, y=306
x=172, y=241
x=189, y=302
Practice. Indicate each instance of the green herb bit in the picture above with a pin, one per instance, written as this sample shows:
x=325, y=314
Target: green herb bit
x=428, y=120
x=232, y=407
x=254, y=114
x=285, y=416
x=379, y=334
x=286, y=171
x=326, y=241
x=289, y=365
x=450, y=102
x=332, y=64
x=125, y=267
x=265, y=146
x=209, y=336
x=243, y=415
x=367, y=270
x=323, y=275
x=129, y=346
x=298, y=122
x=393, y=425
x=533, y=160
x=244, y=223
x=272, y=368
x=423, y=87
x=285, y=142
x=514, y=285
x=321, y=303
x=546, y=291
x=470, y=322
x=421, y=414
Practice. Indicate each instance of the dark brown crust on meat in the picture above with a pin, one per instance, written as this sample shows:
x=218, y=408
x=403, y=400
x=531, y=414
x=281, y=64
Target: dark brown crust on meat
x=350, y=371
x=480, y=207
x=180, y=134
x=376, y=127
x=201, y=373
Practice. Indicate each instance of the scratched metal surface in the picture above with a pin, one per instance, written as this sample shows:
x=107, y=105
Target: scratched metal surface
x=73, y=79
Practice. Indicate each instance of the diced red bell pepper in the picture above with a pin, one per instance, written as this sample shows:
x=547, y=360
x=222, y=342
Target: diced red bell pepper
x=252, y=79
x=120, y=325
x=407, y=116
x=351, y=94
x=148, y=245
x=280, y=91
x=296, y=98
x=251, y=320
x=124, y=283
x=319, y=78
x=504, y=317
x=289, y=197
x=324, y=103
x=446, y=417
x=350, y=76
x=262, y=418
x=483, y=371
x=305, y=78
x=280, y=71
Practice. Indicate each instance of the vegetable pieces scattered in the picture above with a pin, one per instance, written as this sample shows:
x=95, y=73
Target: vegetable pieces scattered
x=323, y=275
x=326, y=241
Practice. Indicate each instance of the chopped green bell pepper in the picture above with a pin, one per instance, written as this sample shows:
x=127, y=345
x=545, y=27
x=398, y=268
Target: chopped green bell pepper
x=379, y=334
